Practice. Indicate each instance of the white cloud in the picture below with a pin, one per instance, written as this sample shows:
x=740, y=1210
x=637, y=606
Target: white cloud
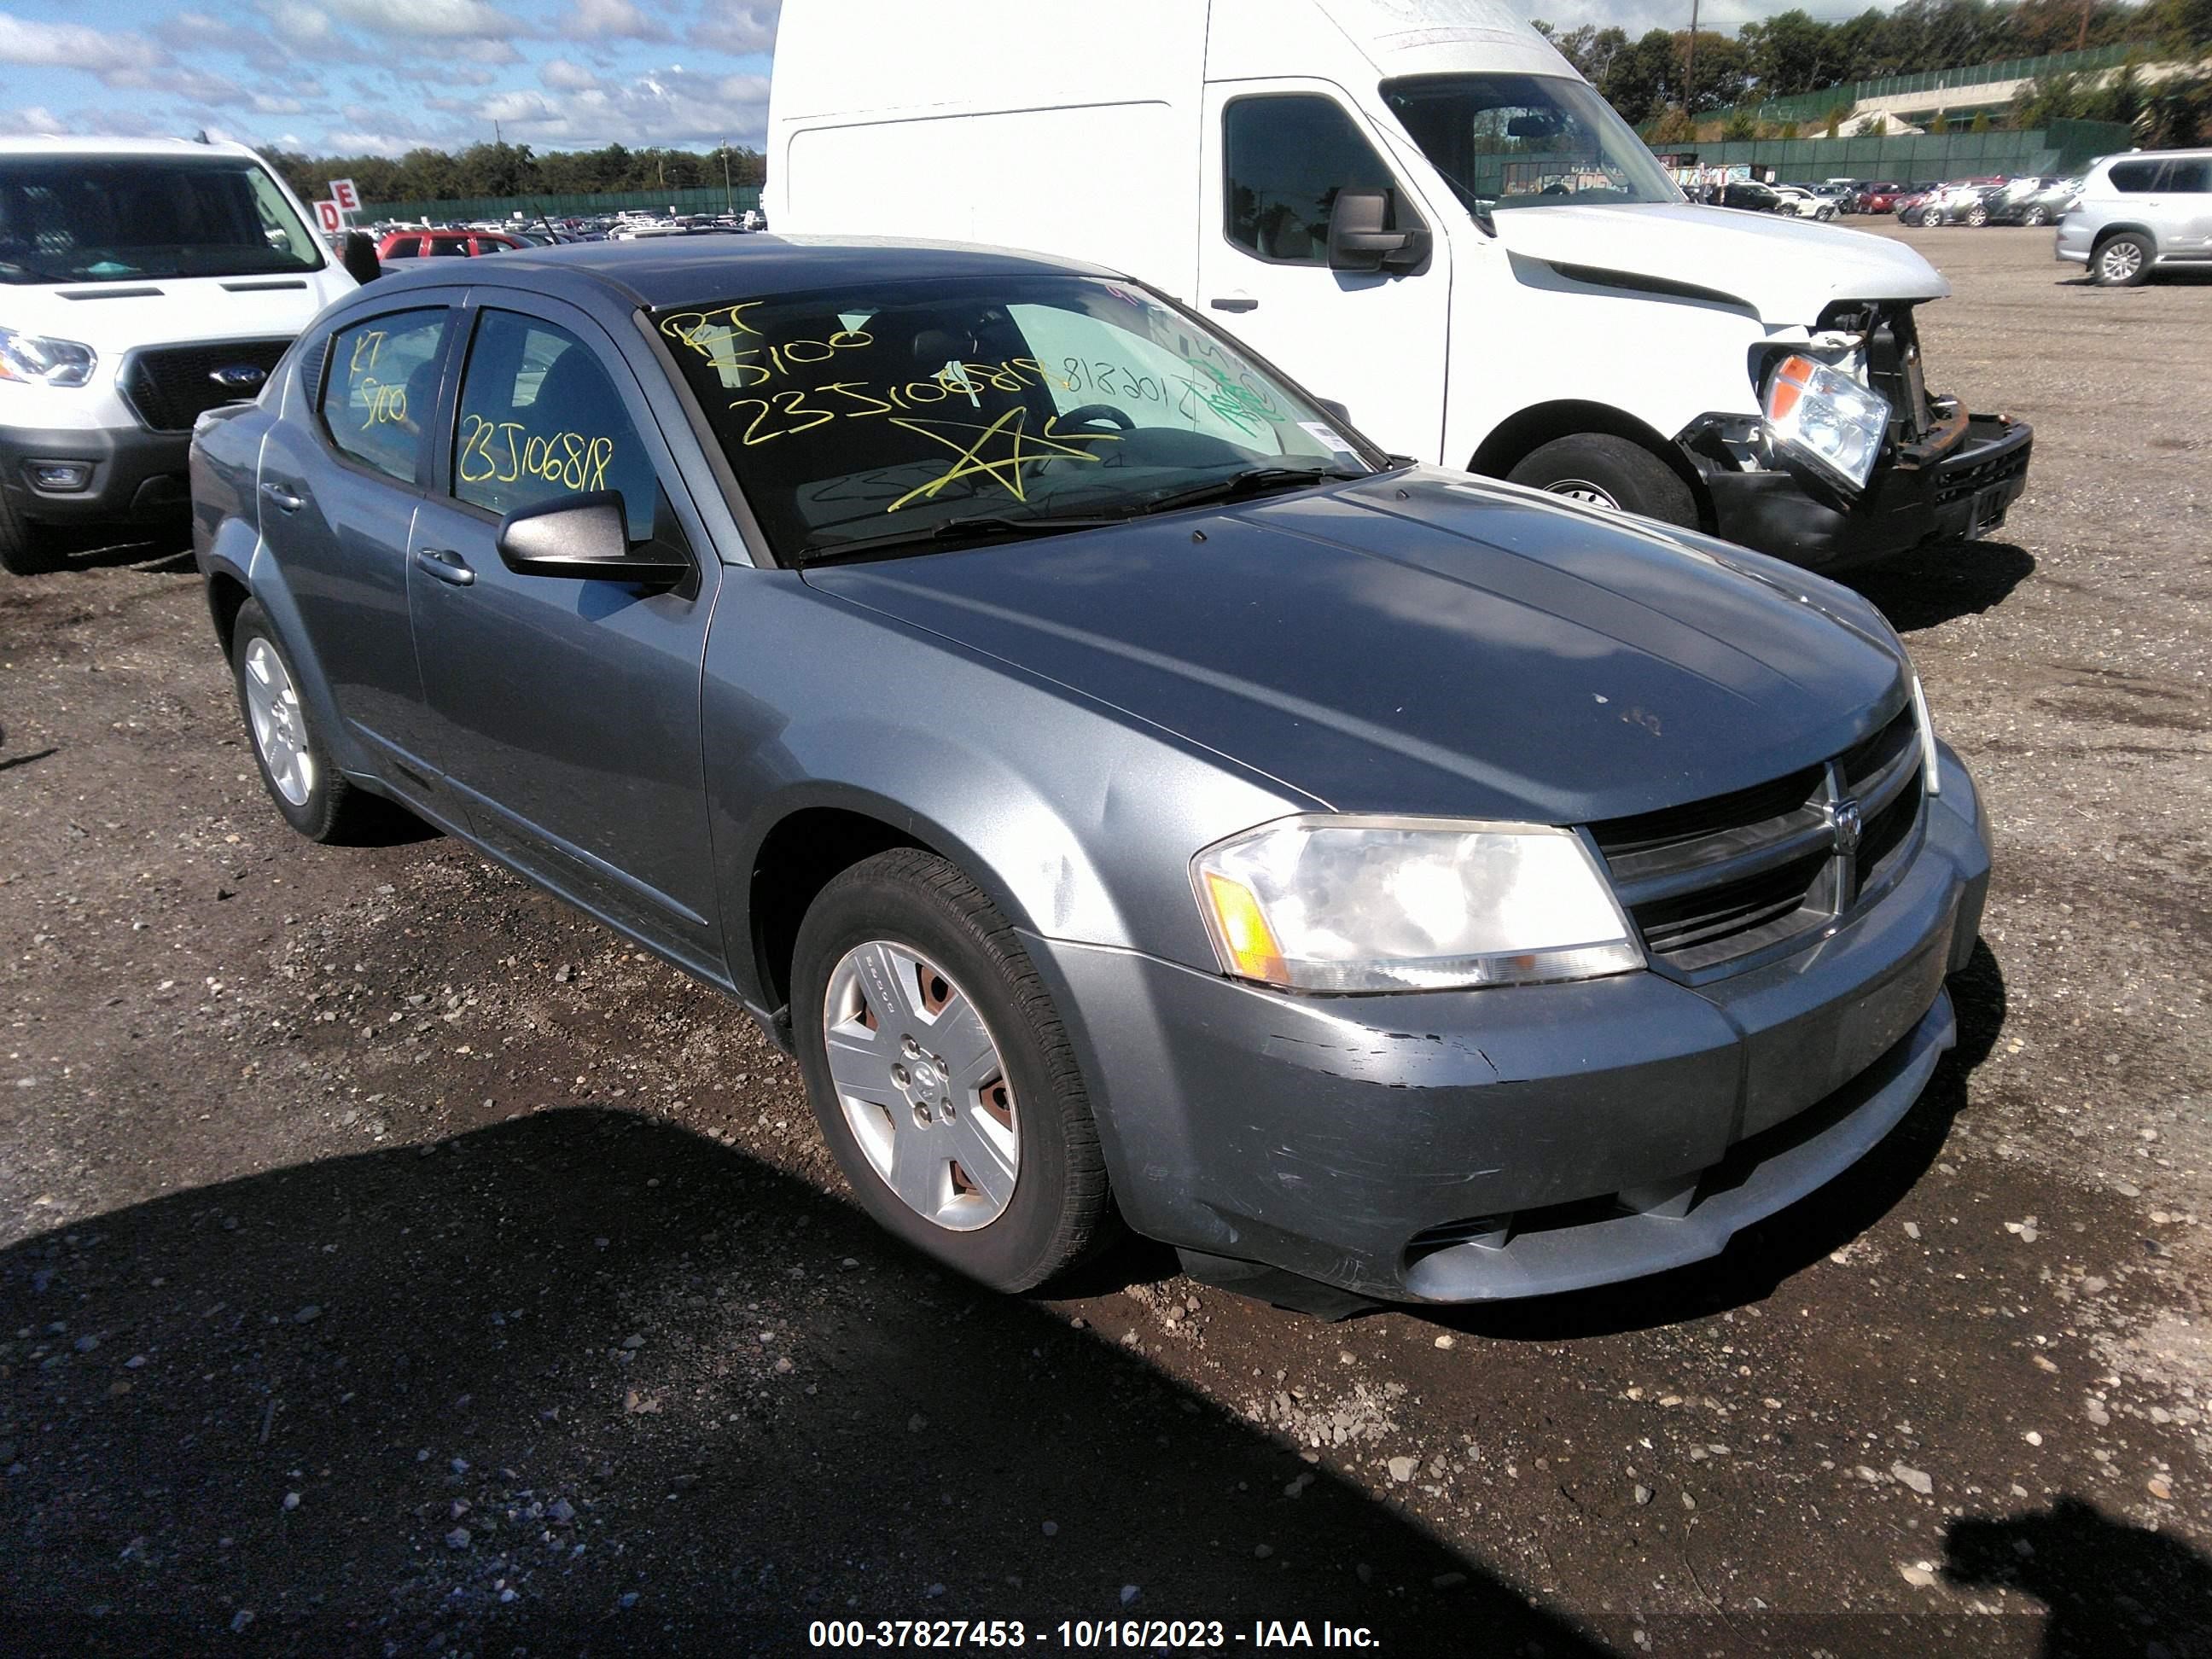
x=342, y=142
x=564, y=76
x=191, y=30
x=435, y=19
x=740, y=30
x=33, y=117
x=73, y=45
x=264, y=104
x=673, y=105
x=611, y=20
x=296, y=22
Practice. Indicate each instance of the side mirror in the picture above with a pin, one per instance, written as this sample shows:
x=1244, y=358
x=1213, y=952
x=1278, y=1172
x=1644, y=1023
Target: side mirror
x=1336, y=408
x=585, y=537
x=360, y=258
x=1358, y=241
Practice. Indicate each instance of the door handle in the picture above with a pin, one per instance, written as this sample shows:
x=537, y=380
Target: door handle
x=284, y=497
x=445, y=565
x=1234, y=304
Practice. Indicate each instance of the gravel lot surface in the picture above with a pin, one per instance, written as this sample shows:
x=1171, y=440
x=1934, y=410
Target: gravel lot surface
x=394, y=1262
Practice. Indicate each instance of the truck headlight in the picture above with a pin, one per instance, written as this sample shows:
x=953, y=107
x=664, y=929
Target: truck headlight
x=1347, y=904
x=51, y=362
x=1827, y=418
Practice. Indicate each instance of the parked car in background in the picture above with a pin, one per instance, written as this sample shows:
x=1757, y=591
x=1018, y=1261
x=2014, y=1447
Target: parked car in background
x=1844, y=196
x=1283, y=852
x=1796, y=200
x=446, y=244
x=2042, y=204
x=141, y=282
x=2138, y=213
x=1878, y=198
x=2031, y=201
x=1749, y=196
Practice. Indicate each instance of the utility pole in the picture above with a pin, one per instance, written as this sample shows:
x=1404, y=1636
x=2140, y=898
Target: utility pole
x=1690, y=73
x=729, y=197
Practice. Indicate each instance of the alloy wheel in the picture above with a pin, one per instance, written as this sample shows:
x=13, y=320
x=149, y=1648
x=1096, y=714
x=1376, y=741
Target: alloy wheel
x=280, y=729
x=2119, y=262
x=922, y=1085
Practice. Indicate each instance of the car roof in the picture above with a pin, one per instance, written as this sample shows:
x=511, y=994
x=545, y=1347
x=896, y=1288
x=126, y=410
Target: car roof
x=62, y=143
x=676, y=270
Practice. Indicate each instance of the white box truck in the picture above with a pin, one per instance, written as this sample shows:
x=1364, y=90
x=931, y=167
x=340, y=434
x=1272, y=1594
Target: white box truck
x=1418, y=208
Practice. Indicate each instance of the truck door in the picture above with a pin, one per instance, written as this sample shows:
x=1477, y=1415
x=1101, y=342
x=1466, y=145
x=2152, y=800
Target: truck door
x=1275, y=156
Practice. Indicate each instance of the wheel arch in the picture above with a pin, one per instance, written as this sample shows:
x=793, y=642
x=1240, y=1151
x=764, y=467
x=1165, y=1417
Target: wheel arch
x=2123, y=228
x=802, y=853
x=1513, y=440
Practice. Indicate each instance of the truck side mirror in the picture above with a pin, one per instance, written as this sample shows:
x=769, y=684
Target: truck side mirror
x=1358, y=241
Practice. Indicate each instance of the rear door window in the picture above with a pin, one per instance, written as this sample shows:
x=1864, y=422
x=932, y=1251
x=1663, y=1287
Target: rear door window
x=380, y=389
x=540, y=419
x=2188, y=177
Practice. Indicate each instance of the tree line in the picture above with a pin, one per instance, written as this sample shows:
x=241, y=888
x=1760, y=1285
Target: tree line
x=505, y=169
x=1795, y=52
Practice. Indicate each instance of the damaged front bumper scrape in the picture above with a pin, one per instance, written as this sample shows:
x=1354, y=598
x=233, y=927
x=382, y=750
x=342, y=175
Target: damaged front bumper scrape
x=1467, y=1146
x=1955, y=486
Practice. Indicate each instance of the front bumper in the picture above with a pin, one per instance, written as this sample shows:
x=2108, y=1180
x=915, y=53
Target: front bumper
x=1965, y=495
x=1478, y=1146
x=136, y=476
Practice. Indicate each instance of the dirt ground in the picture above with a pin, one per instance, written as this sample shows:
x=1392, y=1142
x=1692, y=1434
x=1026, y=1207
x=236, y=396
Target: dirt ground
x=393, y=1261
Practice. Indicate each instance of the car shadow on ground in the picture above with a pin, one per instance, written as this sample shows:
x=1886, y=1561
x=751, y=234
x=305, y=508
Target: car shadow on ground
x=1926, y=590
x=2100, y=1578
x=586, y=1382
x=1761, y=1257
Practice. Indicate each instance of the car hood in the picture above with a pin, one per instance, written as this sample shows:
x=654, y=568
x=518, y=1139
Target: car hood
x=114, y=318
x=1785, y=269
x=1420, y=642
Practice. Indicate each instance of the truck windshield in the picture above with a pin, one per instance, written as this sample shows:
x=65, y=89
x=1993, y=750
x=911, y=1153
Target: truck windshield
x=123, y=218
x=1523, y=140
x=914, y=415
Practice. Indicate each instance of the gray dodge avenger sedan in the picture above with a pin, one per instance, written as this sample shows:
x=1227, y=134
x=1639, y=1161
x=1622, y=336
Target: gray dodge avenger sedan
x=1127, y=791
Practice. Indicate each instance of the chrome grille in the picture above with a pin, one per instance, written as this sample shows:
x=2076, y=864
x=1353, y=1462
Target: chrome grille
x=1714, y=882
x=169, y=388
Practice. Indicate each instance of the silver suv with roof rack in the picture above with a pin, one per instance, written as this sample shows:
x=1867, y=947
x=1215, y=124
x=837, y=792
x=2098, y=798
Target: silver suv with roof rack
x=2138, y=213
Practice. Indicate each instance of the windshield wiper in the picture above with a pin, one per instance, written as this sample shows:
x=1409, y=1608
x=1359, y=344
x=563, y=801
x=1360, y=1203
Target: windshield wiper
x=974, y=526
x=1258, y=480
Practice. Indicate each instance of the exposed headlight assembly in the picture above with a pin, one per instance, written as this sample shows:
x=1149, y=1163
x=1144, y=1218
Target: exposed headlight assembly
x=51, y=362
x=1353, y=904
x=1827, y=419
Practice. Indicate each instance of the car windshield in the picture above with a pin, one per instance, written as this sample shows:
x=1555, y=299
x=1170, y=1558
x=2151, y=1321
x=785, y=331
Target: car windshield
x=1521, y=141
x=909, y=412
x=113, y=219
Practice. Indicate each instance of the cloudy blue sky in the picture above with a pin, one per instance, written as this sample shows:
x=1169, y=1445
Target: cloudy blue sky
x=380, y=77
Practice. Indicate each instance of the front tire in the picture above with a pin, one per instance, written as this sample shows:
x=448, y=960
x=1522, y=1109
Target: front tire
x=941, y=1076
x=295, y=761
x=1611, y=473
x=1977, y=216
x=2123, y=261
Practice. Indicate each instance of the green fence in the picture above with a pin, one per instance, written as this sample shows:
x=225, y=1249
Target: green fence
x=710, y=198
x=2063, y=147
x=1814, y=106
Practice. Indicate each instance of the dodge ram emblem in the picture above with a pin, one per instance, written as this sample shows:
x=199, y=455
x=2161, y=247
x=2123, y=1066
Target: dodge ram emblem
x=1847, y=825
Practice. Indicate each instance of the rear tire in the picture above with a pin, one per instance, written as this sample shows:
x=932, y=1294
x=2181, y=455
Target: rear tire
x=294, y=763
x=2122, y=261
x=933, y=934
x=1977, y=216
x=2036, y=218
x=1613, y=472
x=25, y=548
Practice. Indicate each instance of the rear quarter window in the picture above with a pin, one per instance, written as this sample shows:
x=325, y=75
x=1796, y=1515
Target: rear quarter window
x=2134, y=178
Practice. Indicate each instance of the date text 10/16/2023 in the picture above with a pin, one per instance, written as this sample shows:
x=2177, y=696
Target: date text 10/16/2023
x=1084, y=1635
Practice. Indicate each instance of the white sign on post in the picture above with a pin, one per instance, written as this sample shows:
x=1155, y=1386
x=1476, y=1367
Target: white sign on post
x=343, y=193
x=331, y=217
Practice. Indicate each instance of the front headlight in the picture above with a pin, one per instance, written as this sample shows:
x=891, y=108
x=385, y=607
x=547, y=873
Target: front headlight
x=1828, y=419
x=1342, y=903
x=52, y=362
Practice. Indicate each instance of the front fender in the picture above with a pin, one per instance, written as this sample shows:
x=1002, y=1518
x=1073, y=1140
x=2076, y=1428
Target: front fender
x=1079, y=821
